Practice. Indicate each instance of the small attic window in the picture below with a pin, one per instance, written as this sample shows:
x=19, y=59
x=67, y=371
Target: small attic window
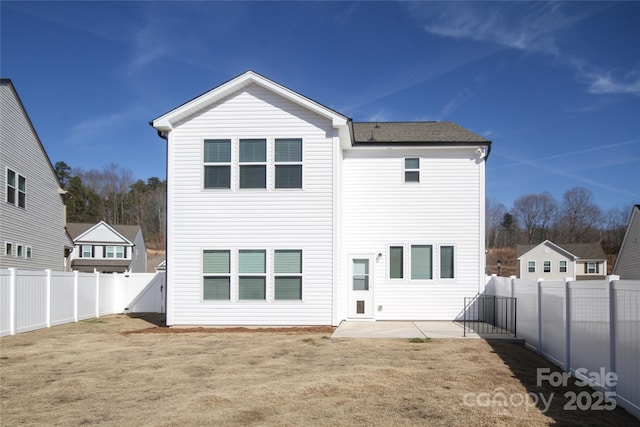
x=412, y=169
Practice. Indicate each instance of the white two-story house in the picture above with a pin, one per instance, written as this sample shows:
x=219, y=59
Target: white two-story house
x=282, y=211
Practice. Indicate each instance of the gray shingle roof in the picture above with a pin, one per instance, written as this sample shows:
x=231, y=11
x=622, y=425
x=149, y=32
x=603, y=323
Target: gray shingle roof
x=581, y=250
x=75, y=229
x=413, y=132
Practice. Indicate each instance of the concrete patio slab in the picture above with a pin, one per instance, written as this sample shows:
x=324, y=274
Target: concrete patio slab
x=377, y=330
x=415, y=329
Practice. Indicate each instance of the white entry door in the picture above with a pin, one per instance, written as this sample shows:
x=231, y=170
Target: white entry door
x=360, y=294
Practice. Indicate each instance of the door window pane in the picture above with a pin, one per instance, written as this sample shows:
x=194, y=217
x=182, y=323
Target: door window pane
x=360, y=274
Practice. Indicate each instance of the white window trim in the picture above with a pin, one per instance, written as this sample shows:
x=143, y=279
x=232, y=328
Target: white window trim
x=272, y=163
x=455, y=262
x=566, y=266
x=11, y=249
x=267, y=161
x=271, y=255
x=405, y=170
x=229, y=164
x=595, y=267
x=534, y=266
x=230, y=275
x=16, y=188
x=544, y=268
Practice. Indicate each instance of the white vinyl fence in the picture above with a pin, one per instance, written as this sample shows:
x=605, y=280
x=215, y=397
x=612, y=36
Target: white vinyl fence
x=590, y=324
x=32, y=300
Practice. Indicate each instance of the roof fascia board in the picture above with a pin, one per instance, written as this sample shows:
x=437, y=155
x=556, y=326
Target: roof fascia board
x=102, y=223
x=167, y=121
x=553, y=246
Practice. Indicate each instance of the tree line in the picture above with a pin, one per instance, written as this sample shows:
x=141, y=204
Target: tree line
x=112, y=195
x=538, y=217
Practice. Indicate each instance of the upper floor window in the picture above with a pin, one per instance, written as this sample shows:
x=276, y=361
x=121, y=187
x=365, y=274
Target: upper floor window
x=217, y=163
x=29, y=252
x=16, y=189
x=591, y=268
x=412, y=170
x=253, y=163
x=562, y=266
x=114, y=252
x=86, y=251
x=19, y=252
x=531, y=266
x=288, y=163
x=8, y=248
x=546, y=267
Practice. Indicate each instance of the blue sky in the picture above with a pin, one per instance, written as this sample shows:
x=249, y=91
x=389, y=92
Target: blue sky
x=555, y=86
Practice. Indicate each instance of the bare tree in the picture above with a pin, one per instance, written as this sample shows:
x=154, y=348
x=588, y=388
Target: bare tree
x=494, y=215
x=580, y=216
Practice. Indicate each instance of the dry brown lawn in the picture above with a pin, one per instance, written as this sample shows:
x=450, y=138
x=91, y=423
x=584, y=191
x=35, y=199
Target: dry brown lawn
x=94, y=372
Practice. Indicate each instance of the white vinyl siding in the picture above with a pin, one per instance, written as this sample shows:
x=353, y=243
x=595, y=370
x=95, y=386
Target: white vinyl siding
x=382, y=212
x=247, y=219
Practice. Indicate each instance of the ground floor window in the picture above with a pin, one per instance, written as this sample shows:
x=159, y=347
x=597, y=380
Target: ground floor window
x=423, y=262
x=257, y=279
x=562, y=266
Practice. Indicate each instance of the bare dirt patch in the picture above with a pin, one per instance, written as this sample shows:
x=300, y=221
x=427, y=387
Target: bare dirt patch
x=99, y=372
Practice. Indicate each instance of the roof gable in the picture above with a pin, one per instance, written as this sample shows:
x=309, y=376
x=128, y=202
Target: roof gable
x=9, y=84
x=573, y=251
x=168, y=121
x=99, y=233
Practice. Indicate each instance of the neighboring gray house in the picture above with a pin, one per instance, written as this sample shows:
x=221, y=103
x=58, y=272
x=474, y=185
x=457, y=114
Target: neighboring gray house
x=32, y=211
x=107, y=248
x=549, y=261
x=627, y=264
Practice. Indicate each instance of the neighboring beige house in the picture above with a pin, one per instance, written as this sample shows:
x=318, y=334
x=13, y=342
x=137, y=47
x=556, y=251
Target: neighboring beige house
x=627, y=264
x=549, y=261
x=107, y=248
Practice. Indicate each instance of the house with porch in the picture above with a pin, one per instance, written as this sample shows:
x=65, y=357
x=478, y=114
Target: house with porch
x=549, y=261
x=282, y=211
x=107, y=248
